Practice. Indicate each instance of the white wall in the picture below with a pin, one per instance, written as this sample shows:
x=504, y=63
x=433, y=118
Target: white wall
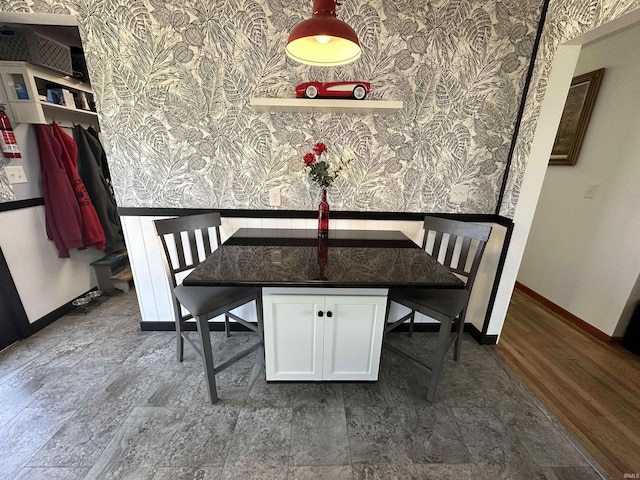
x=583, y=254
x=44, y=281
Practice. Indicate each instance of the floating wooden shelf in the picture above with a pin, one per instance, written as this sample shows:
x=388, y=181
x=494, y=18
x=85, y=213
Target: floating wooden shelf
x=324, y=105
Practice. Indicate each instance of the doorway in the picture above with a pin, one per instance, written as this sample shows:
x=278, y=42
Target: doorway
x=581, y=253
x=550, y=111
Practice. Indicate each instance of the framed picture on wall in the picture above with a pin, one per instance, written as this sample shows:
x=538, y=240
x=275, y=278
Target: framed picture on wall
x=575, y=118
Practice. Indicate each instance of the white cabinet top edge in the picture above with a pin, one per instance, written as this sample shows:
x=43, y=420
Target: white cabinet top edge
x=370, y=292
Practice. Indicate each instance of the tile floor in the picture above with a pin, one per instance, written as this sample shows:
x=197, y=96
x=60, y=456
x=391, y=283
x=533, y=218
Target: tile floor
x=93, y=397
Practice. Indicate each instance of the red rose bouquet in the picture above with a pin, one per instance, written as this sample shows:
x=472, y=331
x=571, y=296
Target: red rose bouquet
x=320, y=171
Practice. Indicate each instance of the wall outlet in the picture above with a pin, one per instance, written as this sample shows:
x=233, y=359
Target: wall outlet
x=16, y=174
x=276, y=256
x=275, y=200
x=459, y=193
x=591, y=191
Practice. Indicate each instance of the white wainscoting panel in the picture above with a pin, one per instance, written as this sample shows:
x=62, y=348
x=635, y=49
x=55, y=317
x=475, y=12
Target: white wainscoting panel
x=154, y=295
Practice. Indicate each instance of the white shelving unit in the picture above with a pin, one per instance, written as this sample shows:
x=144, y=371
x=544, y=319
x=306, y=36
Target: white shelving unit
x=32, y=80
x=325, y=105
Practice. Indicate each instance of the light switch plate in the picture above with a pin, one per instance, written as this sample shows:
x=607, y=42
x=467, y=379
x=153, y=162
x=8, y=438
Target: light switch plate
x=591, y=191
x=275, y=199
x=459, y=193
x=15, y=174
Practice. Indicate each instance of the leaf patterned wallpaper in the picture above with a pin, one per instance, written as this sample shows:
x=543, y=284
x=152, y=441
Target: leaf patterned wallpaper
x=173, y=80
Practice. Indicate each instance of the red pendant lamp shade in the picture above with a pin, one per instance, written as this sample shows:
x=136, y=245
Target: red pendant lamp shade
x=323, y=40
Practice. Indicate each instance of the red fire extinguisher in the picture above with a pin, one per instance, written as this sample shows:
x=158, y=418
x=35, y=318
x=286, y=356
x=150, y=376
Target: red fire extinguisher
x=7, y=138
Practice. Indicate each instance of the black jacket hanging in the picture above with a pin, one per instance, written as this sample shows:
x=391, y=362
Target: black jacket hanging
x=90, y=153
x=103, y=159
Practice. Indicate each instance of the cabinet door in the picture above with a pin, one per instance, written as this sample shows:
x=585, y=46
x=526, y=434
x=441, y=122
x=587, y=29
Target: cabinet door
x=353, y=337
x=293, y=337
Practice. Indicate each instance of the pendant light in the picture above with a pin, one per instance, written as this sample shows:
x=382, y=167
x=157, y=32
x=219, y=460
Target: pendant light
x=323, y=40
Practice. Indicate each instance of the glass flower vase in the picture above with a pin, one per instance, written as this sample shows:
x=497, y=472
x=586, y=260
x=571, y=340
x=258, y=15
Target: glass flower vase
x=323, y=216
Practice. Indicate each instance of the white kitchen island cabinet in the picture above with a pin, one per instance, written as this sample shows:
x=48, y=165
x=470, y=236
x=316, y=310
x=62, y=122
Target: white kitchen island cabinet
x=323, y=333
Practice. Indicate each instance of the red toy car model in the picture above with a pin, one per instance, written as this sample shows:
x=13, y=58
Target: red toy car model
x=357, y=90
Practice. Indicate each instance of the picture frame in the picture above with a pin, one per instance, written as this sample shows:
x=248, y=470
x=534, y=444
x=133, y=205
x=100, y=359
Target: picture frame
x=575, y=118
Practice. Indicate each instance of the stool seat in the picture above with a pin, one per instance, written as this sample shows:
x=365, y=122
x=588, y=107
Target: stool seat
x=213, y=301
x=433, y=303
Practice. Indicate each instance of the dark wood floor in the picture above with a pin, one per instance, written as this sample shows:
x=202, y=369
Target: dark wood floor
x=591, y=387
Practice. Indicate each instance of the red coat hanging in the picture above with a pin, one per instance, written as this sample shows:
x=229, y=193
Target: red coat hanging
x=63, y=217
x=92, y=232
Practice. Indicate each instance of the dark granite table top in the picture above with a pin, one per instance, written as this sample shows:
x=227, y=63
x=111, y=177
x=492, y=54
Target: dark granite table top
x=349, y=258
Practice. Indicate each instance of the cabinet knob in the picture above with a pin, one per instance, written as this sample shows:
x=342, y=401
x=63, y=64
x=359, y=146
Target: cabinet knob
x=329, y=314
x=320, y=313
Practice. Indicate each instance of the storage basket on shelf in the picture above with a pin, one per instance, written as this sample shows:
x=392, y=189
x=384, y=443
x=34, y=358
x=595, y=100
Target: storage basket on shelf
x=24, y=45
